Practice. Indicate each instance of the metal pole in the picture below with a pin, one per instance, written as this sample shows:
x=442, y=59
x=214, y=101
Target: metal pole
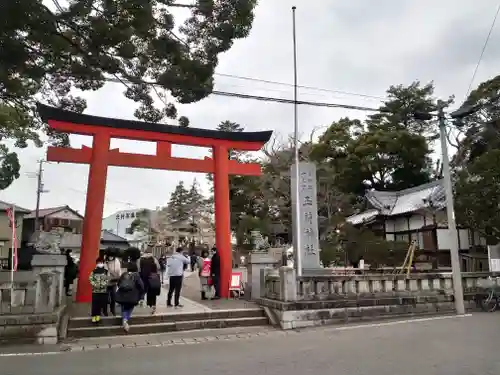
x=298, y=250
x=452, y=226
x=13, y=254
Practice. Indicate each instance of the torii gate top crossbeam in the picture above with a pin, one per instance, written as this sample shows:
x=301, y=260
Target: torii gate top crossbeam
x=76, y=123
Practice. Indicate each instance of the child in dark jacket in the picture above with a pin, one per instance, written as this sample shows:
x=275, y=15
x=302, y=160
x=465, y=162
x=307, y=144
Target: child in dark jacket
x=130, y=291
x=99, y=281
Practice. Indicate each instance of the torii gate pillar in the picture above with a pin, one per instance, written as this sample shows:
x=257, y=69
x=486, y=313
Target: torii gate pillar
x=222, y=217
x=94, y=207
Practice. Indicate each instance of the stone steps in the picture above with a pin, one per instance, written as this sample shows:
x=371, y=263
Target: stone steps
x=173, y=322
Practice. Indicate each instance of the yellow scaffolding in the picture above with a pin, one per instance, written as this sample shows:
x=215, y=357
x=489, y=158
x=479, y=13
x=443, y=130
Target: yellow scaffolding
x=410, y=255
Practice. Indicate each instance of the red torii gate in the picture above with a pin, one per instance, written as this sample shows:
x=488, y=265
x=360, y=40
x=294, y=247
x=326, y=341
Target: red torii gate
x=99, y=157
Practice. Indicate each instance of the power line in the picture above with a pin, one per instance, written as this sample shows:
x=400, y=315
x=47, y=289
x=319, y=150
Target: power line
x=290, y=101
x=299, y=86
x=110, y=200
x=276, y=82
x=270, y=99
x=482, y=52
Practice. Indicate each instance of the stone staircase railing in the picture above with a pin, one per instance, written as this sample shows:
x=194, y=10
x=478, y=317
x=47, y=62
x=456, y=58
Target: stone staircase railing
x=283, y=285
x=295, y=302
x=32, y=305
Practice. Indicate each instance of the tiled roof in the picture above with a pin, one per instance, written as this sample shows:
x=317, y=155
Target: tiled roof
x=49, y=211
x=363, y=217
x=6, y=205
x=400, y=202
x=107, y=236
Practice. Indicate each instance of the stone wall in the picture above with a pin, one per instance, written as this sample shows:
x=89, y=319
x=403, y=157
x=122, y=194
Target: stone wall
x=32, y=305
x=294, y=302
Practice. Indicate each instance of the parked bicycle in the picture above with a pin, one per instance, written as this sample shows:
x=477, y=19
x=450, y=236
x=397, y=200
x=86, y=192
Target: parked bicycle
x=492, y=299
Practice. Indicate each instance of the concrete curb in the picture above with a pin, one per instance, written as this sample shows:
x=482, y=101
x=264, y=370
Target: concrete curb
x=151, y=342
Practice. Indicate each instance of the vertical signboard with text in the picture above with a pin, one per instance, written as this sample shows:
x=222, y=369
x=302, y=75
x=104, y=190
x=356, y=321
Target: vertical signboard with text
x=307, y=206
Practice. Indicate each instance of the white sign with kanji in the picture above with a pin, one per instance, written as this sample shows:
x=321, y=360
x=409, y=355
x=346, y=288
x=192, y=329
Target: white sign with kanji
x=307, y=205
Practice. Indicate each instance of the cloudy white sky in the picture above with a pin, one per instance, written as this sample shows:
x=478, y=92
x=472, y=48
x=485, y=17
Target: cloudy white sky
x=360, y=47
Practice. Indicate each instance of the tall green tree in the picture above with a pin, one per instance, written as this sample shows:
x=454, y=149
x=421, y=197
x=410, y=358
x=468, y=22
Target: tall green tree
x=481, y=129
x=478, y=196
x=197, y=204
x=51, y=53
x=389, y=152
x=476, y=161
x=142, y=222
x=398, y=110
x=178, y=205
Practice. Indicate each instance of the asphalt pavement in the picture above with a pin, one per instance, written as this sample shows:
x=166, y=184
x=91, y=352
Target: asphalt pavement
x=443, y=346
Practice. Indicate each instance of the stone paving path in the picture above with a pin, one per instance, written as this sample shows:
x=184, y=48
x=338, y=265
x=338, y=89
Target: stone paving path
x=190, y=298
x=191, y=290
x=189, y=305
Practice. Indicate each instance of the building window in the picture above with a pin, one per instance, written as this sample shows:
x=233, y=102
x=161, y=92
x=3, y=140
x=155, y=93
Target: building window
x=122, y=216
x=117, y=217
x=127, y=215
x=402, y=237
x=132, y=215
x=418, y=237
x=129, y=230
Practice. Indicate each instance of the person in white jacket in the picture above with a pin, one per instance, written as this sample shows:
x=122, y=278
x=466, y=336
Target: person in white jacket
x=175, y=271
x=114, y=267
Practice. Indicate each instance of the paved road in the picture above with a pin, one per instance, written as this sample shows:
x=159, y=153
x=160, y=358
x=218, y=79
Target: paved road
x=458, y=346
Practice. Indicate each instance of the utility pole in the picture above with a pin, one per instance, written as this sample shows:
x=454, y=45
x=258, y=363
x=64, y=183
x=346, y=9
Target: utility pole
x=452, y=226
x=39, y=191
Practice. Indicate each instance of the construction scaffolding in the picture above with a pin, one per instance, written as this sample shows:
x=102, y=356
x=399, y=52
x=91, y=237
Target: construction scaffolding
x=408, y=262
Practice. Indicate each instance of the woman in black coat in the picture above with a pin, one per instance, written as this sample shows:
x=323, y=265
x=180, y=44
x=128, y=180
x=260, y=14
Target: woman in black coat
x=70, y=272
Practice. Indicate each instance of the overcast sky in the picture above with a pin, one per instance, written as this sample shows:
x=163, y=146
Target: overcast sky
x=360, y=47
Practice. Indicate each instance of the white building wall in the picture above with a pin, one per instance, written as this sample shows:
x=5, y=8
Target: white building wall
x=400, y=224
x=389, y=225
x=445, y=240
x=417, y=222
x=478, y=240
x=120, y=221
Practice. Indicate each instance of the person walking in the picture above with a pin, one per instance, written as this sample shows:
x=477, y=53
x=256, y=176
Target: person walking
x=193, y=260
x=99, y=280
x=204, y=267
x=130, y=291
x=146, y=264
x=163, y=267
x=153, y=289
x=175, y=270
x=114, y=267
x=215, y=271
x=70, y=272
